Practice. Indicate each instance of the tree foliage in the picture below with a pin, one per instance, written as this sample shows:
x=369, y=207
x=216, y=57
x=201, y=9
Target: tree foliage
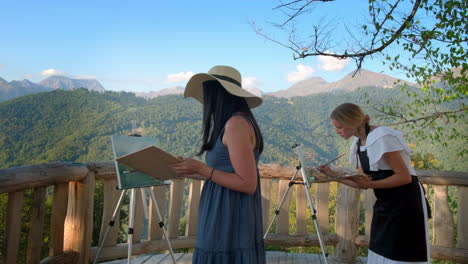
x=77, y=125
x=426, y=39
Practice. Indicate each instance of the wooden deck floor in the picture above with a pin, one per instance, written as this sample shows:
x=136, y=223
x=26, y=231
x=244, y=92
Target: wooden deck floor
x=272, y=257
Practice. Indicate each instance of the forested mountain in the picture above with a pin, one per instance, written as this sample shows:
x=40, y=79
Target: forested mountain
x=75, y=126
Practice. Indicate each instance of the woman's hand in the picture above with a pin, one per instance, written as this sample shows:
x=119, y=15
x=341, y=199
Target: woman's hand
x=190, y=168
x=327, y=171
x=362, y=181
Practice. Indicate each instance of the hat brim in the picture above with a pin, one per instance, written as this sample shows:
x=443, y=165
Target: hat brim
x=194, y=88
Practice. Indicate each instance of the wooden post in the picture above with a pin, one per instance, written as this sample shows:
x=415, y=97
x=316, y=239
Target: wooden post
x=443, y=219
x=282, y=220
x=175, y=207
x=37, y=226
x=301, y=209
x=462, y=227
x=13, y=227
x=347, y=223
x=369, y=201
x=266, y=196
x=57, y=221
x=111, y=197
x=79, y=220
x=192, y=213
x=274, y=187
x=323, y=191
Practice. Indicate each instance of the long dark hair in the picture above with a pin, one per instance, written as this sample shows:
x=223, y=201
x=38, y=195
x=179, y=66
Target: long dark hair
x=218, y=106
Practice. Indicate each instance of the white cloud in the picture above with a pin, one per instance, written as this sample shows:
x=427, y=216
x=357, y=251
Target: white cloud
x=2, y=66
x=50, y=72
x=179, y=77
x=249, y=82
x=332, y=64
x=54, y=72
x=303, y=71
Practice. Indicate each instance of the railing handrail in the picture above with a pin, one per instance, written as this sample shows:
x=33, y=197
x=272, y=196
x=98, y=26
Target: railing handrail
x=42, y=175
x=73, y=199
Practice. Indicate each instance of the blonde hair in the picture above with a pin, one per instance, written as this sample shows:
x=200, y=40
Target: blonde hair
x=350, y=115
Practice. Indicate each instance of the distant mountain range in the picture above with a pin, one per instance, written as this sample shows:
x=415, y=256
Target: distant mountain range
x=314, y=85
x=65, y=83
x=361, y=79
x=10, y=90
x=167, y=91
x=180, y=90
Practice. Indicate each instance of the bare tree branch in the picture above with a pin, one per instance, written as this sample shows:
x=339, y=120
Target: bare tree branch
x=259, y=32
x=361, y=55
x=395, y=114
x=379, y=26
x=434, y=116
x=358, y=57
x=299, y=10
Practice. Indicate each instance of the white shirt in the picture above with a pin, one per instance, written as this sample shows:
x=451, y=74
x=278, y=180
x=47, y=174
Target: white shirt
x=379, y=141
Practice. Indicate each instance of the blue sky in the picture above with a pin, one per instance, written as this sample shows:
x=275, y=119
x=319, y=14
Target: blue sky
x=146, y=46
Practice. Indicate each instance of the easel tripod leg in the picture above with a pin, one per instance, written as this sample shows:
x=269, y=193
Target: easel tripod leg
x=314, y=217
x=281, y=203
x=131, y=223
x=163, y=227
x=111, y=224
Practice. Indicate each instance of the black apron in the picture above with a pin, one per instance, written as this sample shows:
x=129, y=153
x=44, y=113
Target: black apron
x=397, y=230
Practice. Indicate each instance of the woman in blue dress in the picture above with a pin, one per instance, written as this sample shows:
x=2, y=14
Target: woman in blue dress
x=230, y=213
x=399, y=229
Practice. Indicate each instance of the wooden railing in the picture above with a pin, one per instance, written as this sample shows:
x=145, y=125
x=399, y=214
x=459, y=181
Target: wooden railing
x=73, y=198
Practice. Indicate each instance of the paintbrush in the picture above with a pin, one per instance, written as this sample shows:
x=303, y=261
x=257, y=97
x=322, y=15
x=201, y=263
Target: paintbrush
x=333, y=160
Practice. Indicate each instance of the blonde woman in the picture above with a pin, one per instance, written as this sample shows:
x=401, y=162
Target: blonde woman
x=399, y=222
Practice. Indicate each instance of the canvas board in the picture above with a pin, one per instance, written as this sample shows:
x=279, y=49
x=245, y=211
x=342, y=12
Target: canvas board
x=311, y=179
x=304, y=165
x=152, y=161
x=128, y=177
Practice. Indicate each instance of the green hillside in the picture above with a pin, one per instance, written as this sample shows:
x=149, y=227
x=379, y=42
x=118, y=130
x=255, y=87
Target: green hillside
x=76, y=125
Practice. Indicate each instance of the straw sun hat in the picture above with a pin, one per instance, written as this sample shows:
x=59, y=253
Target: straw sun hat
x=229, y=78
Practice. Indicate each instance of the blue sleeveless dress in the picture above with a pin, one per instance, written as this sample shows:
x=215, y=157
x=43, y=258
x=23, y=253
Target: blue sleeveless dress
x=229, y=222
